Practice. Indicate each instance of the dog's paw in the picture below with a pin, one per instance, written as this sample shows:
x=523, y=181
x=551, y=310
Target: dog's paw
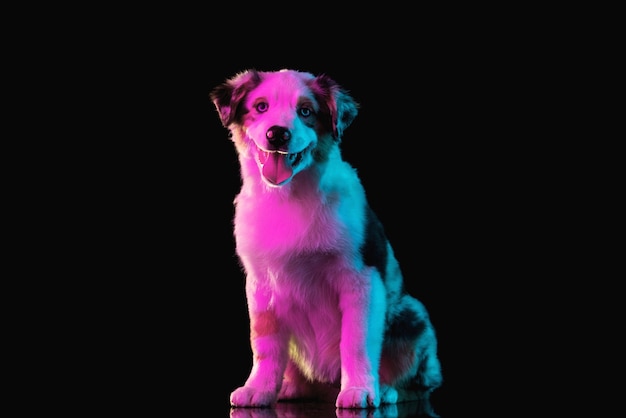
x=250, y=397
x=388, y=395
x=357, y=397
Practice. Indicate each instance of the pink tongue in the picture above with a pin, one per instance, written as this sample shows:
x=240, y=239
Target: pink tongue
x=276, y=169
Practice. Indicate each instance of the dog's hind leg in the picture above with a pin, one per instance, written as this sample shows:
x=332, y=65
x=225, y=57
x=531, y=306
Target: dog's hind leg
x=409, y=356
x=429, y=374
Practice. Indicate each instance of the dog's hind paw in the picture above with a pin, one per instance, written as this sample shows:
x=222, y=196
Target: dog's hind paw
x=357, y=397
x=246, y=396
x=291, y=391
x=388, y=395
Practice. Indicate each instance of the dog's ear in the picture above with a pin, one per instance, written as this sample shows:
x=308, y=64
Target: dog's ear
x=341, y=107
x=227, y=96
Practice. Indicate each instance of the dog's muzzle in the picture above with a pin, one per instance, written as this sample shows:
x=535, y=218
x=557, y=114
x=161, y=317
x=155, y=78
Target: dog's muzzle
x=277, y=164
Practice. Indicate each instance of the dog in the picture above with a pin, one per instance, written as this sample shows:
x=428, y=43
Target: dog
x=329, y=314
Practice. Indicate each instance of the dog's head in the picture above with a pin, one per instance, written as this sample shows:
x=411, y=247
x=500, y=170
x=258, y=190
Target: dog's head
x=285, y=120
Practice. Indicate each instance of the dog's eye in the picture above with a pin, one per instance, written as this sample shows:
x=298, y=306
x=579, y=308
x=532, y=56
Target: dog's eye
x=262, y=107
x=305, y=112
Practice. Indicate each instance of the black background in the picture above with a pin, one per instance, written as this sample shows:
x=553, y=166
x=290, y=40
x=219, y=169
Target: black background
x=430, y=149
x=441, y=144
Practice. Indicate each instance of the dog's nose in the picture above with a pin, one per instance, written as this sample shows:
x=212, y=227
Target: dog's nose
x=277, y=135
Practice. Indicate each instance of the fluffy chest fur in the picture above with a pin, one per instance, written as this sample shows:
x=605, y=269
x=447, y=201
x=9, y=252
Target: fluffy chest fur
x=319, y=212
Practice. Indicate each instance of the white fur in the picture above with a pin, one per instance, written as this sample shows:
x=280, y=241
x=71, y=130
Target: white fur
x=329, y=316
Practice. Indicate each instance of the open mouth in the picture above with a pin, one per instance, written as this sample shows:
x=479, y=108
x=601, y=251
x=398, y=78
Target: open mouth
x=277, y=166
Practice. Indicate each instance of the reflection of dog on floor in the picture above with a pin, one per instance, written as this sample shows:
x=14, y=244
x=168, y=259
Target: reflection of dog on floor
x=329, y=315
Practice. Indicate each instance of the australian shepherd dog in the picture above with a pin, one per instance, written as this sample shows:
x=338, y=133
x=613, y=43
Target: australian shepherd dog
x=329, y=315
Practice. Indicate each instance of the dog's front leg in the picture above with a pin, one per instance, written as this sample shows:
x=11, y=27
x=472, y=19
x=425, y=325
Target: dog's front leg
x=363, y=306
x=269, y=351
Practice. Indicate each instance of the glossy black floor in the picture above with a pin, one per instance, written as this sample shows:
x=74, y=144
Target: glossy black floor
x=328, y=410
x=438, y=406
